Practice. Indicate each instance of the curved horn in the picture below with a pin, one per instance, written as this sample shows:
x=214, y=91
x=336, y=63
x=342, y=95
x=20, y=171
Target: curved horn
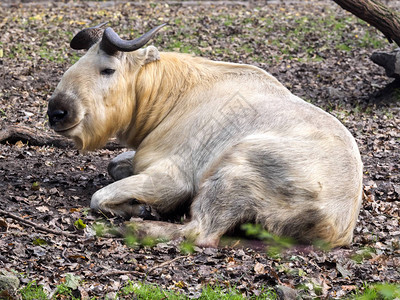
x=87, y=37
x=112, y=43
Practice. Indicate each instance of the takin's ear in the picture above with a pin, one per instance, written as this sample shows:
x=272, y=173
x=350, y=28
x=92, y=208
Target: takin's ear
x=150, y=54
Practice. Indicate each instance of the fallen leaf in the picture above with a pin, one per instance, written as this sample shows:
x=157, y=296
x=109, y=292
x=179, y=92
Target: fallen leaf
x=259, y=268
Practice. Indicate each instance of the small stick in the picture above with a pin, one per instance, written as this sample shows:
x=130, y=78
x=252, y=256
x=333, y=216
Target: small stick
x=121, y=272
x=36, y=226
x=127, y=272
x=164, y=264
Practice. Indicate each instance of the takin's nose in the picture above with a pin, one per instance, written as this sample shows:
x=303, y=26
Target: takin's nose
x=60, y=111
x=57, y=116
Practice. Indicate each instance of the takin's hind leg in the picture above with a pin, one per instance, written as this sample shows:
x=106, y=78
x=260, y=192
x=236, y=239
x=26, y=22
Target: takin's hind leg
x=221, y=204
x=121, y=166
x=155, y=229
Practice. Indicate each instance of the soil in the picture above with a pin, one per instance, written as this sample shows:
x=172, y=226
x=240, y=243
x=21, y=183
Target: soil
x=49, y=184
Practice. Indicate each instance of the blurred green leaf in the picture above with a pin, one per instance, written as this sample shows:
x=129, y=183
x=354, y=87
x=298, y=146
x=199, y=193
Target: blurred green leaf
x=79, y=224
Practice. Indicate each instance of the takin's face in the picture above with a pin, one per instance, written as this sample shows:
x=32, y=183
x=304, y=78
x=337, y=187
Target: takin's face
x=91, y=99
x=96, y=97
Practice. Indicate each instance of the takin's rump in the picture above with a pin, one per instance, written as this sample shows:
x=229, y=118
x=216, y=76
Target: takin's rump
x=228, y=140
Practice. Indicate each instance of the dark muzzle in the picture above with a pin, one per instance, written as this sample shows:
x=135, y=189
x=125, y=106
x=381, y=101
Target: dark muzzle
x=61, y=112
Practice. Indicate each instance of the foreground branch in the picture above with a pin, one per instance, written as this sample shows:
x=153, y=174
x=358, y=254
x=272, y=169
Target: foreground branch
x=36, y=226
x=13, y=134
x=377, y=14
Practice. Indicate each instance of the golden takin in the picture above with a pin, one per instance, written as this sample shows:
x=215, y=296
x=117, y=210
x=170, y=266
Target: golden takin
x=225, y=139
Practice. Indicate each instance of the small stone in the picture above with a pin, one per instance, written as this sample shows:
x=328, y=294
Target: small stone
x=8, y=281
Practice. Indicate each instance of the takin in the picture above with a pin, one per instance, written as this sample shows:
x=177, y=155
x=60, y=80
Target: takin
x=227, y=140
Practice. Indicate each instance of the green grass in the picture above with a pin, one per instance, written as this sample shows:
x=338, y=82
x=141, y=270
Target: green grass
x=379, y=291
x=299, y=37
x=138, y=290
x=146, y=291
x=65, y=291
x=276, y=244
x=149, y=291
x=343, y=47
x=363, y=254
x=33, y=292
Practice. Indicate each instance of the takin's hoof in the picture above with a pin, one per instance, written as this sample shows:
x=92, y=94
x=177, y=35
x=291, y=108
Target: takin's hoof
x=207, y=242
x=146, y=212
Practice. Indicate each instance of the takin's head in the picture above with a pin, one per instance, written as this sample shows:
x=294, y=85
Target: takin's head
x=95, y=97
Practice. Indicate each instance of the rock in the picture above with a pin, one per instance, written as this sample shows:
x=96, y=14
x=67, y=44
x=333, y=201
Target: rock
x=389, y=60
x=8, y=281
x=286, y=293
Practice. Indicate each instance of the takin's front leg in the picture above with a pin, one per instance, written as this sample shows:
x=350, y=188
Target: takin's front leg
x=163, y=186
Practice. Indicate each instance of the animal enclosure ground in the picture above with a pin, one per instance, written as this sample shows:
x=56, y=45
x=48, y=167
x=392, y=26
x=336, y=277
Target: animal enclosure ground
x=317, y=50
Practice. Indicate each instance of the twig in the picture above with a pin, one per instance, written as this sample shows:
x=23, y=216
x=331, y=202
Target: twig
x=36, y=226
x=14, y=133
x=120, y=272
x=127, y=272
x=63, y=255
x=164, y=264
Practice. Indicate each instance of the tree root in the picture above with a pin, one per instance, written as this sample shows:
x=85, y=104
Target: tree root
x=37, y=226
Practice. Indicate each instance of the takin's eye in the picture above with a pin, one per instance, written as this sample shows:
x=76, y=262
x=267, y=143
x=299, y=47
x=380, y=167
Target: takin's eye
x=107, y=72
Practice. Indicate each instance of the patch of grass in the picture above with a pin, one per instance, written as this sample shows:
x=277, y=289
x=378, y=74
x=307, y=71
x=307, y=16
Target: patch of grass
x=369, y=40
x=70, y=284
x=50, y=54
x=18, y=51
x=276, y=244
x=186, y=247
x=216, y=292
x=384, y=291
x=32, y=292
x=65, y=291
x=362, y=254
x=179, y=46
x=150, y=291
x=343, y=47
x=303, y=37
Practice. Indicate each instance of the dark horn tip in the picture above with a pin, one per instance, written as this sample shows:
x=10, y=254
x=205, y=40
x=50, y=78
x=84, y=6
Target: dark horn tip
x=87, y=37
